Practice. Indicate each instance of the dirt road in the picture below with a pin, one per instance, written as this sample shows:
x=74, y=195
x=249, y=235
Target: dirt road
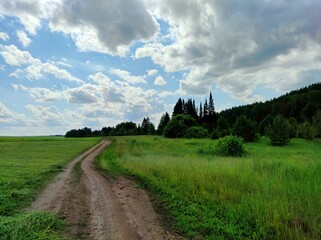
x=98, y=208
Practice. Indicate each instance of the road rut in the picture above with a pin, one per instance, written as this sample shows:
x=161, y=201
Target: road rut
x=99, y=208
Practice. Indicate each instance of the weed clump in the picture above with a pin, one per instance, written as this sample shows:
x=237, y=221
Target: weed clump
x=230, y=146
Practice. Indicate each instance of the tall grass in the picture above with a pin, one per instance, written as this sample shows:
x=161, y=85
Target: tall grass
x=271, y=193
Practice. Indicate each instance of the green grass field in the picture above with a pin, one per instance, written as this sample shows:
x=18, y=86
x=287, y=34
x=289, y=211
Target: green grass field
x=271, y=193
x=26, y=165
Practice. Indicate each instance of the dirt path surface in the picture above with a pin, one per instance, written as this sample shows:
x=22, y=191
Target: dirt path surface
x=99, y=208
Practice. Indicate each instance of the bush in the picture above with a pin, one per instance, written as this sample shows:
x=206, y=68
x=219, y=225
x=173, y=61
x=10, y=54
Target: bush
x=245, y=128
x=317, y=123
x=306, y=131
x=279, y=131
x=196, y=132
x=178, y=125
x=230, y=146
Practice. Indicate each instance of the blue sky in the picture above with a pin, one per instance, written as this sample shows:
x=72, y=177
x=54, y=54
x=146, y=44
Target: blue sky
x=76, y=63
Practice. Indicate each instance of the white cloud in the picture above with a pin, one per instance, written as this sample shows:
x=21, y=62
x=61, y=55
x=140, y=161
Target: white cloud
x=82, y=96
x=160, y=81
x=104, y=26
x=28, y=12
x=46, y=116
x=8, y=116
x=152, y=72
x=232, y=44
x=35, y=68
x=126, y=76
x=41, y=94
x=4, y=36
x=23, y=38
x=15, y=57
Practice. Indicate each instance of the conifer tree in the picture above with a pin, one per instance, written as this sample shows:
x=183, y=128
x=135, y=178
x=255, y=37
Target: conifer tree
x=201, y=112
x=178, y=109
x=205, y=111
x=163, y=123
x=211, y=109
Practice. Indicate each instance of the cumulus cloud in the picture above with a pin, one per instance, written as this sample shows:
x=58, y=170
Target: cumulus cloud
x=23, y=38
x=8, y=116
x=160, y=81
x=14, y=56
x=81, y=96
x=41, y=94
x=124, y=75
x=231, y=40
x=104, y=26
x=28, y=12
x=4, y=36
x=152, y=72
x=110, y=92
x=34, y=68
x=46, y=116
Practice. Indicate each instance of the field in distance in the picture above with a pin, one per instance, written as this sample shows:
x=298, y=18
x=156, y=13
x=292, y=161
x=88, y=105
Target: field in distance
x=27, y=164
x=271, y=193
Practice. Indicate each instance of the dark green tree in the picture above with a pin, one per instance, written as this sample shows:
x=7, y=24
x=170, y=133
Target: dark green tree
x=245, y=128
x=211, y=109
x=205, y=111
x=317, y=123
x=279, y=131
x=178, y=125
x=190, y=109
x=125, y=129
x=178, y=108
x=105, y=131
x=163, y=123
x=200, y=113
x=196, y=132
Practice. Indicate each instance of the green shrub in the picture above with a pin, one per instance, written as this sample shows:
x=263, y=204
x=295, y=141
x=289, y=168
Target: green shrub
x=317, y=123
x=178, y=125
x=279, y=131
x=215, y=134
x=196, y=132
x=306, y=131
x=230, y=146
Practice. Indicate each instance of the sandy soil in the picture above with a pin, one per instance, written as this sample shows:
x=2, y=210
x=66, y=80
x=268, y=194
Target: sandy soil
x=100, y=208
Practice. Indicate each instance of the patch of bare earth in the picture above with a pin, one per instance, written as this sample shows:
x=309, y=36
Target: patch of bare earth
x=99, y=208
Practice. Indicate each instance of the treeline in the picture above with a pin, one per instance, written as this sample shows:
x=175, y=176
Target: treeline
x=299, y=109
x=88, y=132
x=121, y=129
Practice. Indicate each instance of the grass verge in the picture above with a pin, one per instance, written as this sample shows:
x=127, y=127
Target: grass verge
x=27, y=164
x=271, y=193
x=31, y=226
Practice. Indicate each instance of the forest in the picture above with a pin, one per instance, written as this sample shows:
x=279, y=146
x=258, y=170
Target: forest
x=299, y=111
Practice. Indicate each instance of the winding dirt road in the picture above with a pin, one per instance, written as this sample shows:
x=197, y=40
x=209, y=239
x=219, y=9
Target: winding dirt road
x=99, y=208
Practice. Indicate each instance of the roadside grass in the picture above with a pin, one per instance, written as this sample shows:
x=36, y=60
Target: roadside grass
x=271, y=193
x=35, y=225
x=27, y=164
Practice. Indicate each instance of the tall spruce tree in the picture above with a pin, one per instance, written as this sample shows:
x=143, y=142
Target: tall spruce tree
x=211, y=109
x=190, y=108
x=201, y=112
x=205, y=111
x=163, y=123
x=178, y=108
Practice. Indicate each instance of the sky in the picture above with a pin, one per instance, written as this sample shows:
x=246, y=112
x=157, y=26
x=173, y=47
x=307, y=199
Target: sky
x=69, y=64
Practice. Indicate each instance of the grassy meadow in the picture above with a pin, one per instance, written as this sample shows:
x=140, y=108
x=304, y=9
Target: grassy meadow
x=271, y=193
x=26, y=165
